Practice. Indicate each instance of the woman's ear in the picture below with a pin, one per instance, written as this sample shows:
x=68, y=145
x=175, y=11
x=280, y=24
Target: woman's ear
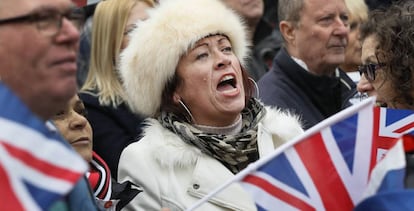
x=176, y=97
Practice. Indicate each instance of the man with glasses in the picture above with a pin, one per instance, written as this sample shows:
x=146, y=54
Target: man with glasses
x=305, y=77
x=38, y=48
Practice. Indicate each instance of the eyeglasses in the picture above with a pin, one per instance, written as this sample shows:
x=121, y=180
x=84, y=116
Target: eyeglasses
x=369, y=70
x=49, y=21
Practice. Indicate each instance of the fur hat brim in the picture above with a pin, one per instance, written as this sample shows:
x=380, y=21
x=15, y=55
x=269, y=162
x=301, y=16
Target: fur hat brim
x=156, y=46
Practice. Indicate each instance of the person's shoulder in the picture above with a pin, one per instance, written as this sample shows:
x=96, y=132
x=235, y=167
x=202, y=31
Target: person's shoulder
x=89, y=97
x=282, y=121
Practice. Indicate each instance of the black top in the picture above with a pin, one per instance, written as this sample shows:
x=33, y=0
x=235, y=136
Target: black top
x=287, y=85
x=113, y=129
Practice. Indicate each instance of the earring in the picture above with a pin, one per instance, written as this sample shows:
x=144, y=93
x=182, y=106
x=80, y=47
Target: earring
x=257, y=88
x=186, y=109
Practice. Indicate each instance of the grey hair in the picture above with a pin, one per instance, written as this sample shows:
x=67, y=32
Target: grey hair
x=289, y=10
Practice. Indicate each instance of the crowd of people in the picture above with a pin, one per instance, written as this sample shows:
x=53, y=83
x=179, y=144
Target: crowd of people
x=165, y=100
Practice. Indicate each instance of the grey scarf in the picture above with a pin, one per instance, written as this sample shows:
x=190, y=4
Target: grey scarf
x=234, y=151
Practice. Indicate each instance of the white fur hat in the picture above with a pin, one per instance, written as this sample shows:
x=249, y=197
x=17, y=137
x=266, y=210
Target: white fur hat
x=156, y=46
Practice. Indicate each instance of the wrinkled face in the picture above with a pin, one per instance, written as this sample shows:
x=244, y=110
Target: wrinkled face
x=381, y=86
x=138, y=12
x=75, y=128
x=212, y=86
x=320, y=37
x=353, y=49
x=40, y=69
x=251, y=10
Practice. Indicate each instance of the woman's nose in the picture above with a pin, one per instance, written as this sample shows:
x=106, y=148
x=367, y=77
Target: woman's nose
x=364, y=85
x=222, y=60
x=78, y=121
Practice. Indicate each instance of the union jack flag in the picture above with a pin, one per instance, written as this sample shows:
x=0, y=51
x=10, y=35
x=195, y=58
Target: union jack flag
x=329, y=166
x=37, y=167
x=389, y=125
x=326, y=170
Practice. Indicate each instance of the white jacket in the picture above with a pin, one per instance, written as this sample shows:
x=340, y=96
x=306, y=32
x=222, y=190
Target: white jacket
x=176, y=175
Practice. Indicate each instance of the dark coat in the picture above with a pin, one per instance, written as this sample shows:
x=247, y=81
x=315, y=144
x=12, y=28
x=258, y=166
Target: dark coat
x=287, y=85
x=113, y=129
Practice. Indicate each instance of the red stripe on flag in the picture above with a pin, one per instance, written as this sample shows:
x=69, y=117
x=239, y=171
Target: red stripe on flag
x=317, y=161
x=8, y=199
x=405, y=128
x=41, y=165
x=277, y=192
x=80, y=3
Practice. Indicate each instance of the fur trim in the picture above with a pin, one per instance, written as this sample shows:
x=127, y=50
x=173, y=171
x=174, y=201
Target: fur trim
x=170, y=151
x=283, y=125
x=155, y=47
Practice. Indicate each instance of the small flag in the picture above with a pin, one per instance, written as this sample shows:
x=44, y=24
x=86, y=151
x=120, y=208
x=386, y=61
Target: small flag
x=37, y=167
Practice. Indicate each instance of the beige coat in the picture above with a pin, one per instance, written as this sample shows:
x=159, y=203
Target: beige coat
x=176, y=175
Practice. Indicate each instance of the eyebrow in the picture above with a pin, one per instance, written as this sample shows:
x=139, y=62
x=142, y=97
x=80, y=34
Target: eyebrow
x=224, y=38
x=52, y=8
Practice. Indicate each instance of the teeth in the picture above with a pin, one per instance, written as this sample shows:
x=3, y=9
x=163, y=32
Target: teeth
x=227, y=77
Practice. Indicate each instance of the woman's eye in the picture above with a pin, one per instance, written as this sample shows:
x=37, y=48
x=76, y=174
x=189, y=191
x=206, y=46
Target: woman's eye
x=228, y=49
x=202, y=55
x=82, y=111
x=353, y=25
x=59, y=114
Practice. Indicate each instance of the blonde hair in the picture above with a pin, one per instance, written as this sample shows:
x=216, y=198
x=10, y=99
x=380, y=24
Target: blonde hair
x=109, y=22
x=358, y=10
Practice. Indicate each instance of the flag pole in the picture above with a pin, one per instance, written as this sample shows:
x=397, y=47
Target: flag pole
x=255, y=165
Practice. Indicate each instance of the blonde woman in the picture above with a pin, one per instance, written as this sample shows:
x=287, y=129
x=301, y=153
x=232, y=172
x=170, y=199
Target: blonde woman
x=113, y=124
x=358, y=14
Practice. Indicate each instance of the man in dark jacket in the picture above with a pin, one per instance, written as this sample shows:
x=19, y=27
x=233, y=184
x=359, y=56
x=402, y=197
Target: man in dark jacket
x=305, y=77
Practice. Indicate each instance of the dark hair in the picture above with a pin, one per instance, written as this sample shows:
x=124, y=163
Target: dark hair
x=168, y=104
x=395, y=33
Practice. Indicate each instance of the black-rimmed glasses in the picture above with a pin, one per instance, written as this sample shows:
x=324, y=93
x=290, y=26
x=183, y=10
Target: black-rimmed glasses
x=48, y=21
x=369, y=70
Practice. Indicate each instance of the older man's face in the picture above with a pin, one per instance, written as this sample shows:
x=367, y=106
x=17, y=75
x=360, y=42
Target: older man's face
x=39, y=67
x=321, y=36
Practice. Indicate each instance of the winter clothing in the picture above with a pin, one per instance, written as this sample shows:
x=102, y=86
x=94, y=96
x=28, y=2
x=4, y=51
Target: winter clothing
x=109, y=194
x=175, y=174
x=288, y=86
x=164, y=38
x=113, y=129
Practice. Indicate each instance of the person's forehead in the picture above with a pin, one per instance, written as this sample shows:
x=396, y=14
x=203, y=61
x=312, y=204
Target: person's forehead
x=323, y=6
x=14, y=7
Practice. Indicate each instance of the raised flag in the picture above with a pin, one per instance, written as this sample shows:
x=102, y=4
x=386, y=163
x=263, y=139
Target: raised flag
x=37, y=167
x=326, y=170
x=329, y=166
x=390, y=185
x=389, y=125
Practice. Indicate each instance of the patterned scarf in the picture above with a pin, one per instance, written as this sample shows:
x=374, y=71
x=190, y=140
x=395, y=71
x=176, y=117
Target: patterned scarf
x=234, y=151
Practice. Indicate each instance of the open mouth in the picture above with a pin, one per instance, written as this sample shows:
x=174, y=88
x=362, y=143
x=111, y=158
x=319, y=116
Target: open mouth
x=228, y=82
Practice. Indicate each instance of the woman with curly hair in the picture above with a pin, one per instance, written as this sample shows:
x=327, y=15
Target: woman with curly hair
x=388, y=54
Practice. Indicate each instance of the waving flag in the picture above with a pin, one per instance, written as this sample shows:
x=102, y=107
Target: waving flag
x=389, y=125
x=37, y=167
x=326, y=170
x=329, y=166
x=387, y=188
